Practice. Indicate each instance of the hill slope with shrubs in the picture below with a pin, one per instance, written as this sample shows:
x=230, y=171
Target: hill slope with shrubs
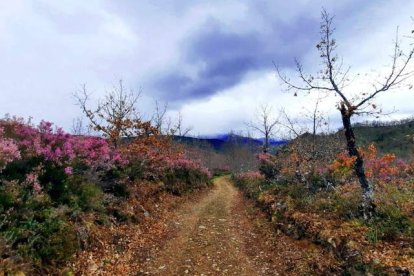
x=310, y=191
x=55, y=186
x=392, y=137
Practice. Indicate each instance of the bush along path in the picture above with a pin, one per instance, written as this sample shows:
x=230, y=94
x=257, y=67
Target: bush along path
x=86, y=200
x=223, y=234
x=320, y=200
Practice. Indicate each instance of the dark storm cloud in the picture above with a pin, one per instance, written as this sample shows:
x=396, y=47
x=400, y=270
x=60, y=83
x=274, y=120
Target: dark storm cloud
x=221, y=58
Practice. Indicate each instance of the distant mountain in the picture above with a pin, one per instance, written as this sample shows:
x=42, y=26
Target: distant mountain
x=218, y=142
x=275, y=142
x=391, y=137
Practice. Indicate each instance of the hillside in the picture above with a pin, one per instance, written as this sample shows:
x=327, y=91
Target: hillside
x=391, y=137
x=396, y=137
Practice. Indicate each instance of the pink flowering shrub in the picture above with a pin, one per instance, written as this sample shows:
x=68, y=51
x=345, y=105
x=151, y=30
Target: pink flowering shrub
x=157, y=159
x=62, y=155
x=48, y=178
x=8, y=150
x=62, y=148
x=45, y=158
x=32, y=179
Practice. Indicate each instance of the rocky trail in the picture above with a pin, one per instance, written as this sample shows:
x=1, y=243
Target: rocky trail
x=224, y=234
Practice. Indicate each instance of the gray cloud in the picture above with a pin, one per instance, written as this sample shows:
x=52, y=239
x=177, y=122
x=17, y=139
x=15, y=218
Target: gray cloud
x=221, y=58
x=190, y=53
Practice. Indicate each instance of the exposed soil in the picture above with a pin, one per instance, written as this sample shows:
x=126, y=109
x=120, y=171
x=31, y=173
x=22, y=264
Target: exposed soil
x=215, y=232
x=224, y=234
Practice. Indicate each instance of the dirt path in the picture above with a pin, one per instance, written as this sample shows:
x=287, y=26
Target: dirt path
x=222, y=234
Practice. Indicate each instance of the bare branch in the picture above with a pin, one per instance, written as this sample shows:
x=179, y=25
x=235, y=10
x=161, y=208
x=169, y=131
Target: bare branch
x=265, y=124
x=115, y=116
x=158, y=118
x=396, y=76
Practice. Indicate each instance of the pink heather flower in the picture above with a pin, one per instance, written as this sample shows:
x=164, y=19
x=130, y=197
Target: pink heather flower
x=69, y=170
x=32, y=179
x=37, y=188
x=53, y=144
x=9, y=151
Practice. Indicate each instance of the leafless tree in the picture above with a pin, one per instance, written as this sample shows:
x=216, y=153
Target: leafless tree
x=265, y=124
x=315, y=121
x=158, y=119
x=79, y=127
x=115, y=116
x=333, y=78
x=179, y=128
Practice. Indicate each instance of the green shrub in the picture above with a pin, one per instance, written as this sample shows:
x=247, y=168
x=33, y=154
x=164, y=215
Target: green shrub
x=220, y=172
x=251, y=187
x=83, y=194
x=181, y=180
x=90, y=197
x=135, y=171
x=9, y=194
x=360, y=268
x=35, y=230
x=114, y=180
x=43, y=235
x=347, y=207
x=18, y=169
x=60, y=243
x=388, y=224
x=121, y=189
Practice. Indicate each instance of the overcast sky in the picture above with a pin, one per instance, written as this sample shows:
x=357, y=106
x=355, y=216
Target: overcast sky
x=210, y=60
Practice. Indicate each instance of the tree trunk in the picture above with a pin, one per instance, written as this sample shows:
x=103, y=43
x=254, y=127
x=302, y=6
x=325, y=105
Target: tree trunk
x=266, y=144
x=368, y=206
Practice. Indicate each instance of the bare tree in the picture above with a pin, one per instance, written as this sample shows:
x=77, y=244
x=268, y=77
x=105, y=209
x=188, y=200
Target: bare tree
x=333, y=78
x=265, y=124
x=158, y=119
x=115, y=116
x=315, y=122
x=179, y=128
x=79, y=128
